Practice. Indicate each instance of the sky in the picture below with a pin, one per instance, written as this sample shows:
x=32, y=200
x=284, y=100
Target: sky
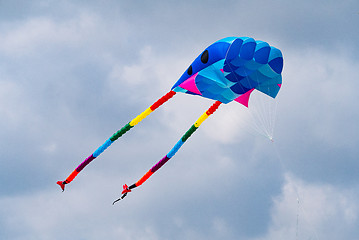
x=74, y=72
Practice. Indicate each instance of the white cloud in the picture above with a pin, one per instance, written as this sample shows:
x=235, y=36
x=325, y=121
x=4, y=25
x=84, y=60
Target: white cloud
x=25, y=37
x=313, y=211
x=137, y=75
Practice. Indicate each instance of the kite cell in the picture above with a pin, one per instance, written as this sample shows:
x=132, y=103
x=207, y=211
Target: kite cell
x=228, y=70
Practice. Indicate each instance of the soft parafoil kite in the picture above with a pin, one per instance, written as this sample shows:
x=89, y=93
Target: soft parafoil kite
x=229, y=69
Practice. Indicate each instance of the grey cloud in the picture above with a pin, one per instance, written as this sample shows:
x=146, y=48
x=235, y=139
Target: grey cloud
x=72, y=73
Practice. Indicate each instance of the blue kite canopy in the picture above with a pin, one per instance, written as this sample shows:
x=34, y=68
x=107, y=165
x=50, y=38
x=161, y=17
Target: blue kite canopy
x=231, y=68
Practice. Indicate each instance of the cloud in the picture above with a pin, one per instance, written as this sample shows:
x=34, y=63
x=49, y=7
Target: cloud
x=316, y=115
x=41, y=33
x=74, y=73
x=311, y=211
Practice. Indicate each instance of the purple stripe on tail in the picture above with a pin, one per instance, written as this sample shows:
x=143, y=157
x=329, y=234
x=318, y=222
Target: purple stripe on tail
x=160, y=164
x=85, y=162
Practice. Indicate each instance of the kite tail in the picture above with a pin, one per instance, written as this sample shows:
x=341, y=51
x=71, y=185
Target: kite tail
x=115, y=136
x=173, y=151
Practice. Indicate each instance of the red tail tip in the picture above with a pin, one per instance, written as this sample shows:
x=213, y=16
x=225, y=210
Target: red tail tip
x=62, y=185
x=125, y=189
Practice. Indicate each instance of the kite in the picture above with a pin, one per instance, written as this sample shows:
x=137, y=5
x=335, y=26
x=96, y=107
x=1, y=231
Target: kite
x=228, y=70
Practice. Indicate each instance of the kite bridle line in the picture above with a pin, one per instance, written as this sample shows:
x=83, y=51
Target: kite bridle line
x=170, y=154
x=115, y=136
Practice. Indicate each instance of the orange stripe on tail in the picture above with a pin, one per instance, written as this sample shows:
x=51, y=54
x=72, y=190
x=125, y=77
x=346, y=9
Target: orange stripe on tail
x=144, y=178
x=71, y=176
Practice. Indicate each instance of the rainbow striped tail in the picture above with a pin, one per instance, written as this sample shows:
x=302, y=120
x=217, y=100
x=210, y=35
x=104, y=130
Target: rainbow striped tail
x=115, y=136
x=171, y=153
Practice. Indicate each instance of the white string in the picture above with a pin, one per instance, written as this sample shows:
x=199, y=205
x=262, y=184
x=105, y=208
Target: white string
x=300, y=208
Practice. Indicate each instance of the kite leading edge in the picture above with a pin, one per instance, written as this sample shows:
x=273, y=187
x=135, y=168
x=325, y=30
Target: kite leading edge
x=228, y=70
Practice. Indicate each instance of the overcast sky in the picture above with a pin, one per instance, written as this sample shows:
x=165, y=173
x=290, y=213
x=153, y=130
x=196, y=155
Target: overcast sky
x=74, y=72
